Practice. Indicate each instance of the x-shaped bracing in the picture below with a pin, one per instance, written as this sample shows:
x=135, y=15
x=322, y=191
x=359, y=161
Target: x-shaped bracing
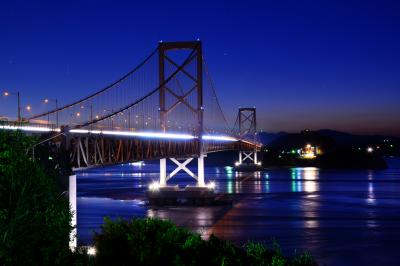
x=248, y=155
x=181, y=166
x=181, y=98
x=247, y=118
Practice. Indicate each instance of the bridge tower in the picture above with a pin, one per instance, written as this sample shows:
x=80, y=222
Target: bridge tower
x=247, y=130
x=166, y=106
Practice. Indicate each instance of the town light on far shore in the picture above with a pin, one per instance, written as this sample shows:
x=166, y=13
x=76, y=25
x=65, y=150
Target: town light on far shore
x=370, y=149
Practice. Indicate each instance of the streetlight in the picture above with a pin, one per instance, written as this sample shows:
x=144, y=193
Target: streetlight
x=7, y=93
x=46, y=101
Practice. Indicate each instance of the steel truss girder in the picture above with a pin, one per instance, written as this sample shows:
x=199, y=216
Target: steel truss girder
x=90, y=151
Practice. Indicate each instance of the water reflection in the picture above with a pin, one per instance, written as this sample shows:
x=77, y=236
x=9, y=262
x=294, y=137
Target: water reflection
x=257, y=182
x=304, y=179
x=371, y=195
x=229, y=174
x=267, y=182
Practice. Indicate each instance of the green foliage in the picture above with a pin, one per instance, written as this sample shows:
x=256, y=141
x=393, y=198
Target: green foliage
x=34, y=217
x=158, y=242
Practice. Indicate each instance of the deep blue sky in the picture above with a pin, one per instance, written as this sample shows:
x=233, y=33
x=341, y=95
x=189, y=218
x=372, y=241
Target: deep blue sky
x=303, y=64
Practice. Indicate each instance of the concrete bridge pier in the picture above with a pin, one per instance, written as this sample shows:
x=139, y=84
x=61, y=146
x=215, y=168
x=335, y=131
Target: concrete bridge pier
x=160, y=193
x=182, y=165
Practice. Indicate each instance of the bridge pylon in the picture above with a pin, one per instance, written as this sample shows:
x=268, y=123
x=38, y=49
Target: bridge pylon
x=189, y=95
x=247, y=130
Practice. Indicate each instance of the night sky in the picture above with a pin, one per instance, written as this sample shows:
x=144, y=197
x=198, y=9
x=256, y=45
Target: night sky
x=303, y=64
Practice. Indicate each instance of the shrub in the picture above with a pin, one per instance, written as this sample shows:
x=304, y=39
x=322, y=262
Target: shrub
x=157, y=242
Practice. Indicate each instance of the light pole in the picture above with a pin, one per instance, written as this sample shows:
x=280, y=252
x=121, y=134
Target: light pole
x=7, y=93
x=56, y=102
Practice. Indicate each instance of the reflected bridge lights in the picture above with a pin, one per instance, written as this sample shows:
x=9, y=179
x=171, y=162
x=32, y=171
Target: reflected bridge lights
x=305, y=179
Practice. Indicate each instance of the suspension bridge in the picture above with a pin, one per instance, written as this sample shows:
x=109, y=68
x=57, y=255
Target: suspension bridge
x=164, y=108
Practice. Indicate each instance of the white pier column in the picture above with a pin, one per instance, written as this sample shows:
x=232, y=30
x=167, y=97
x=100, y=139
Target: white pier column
x=200, y=171
x=163, y=172
x=255, y=157
x=73, y=242
x=240, y=157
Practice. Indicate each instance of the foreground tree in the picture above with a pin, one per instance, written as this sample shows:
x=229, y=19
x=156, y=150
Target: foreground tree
x=34, y=216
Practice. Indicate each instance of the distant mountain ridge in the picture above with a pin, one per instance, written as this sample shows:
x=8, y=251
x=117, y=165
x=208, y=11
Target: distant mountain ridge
x=266, y=138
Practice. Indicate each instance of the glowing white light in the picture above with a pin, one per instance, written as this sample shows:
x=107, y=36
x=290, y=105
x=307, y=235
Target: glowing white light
x=30, y=128
x=237, y=163
x=141, y=163
x=370, y=149
x=91, y=251
x=220, y=138
x=154, y=186
x=135, y=134
x=259, y=163
x=211, y=185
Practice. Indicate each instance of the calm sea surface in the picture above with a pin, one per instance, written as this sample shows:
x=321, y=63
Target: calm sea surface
x=343, y=217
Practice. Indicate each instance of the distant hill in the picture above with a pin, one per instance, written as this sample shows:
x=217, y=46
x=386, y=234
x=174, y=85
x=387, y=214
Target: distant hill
x=299, y=140
x=336, y=150
x=267, y=138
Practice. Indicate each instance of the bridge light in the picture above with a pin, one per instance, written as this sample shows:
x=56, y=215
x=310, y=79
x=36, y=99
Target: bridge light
x=237, y=163
x=78, y=114
x=91, y=251
x=46, y=100
x=211, y=185
x=219, y=138
x=28, y=107
x=97, y=117
x=155, y=186
x=259, y=163
x=370, y=149
x=6, y=93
